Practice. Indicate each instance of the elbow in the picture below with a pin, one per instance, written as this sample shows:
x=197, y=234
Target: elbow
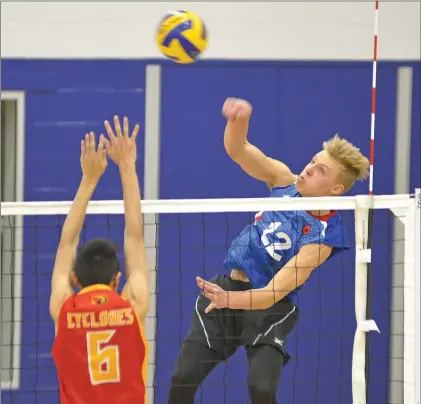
x=235, y=152
x=66, y=240
x=301, y=278
x=144, y=308
x=268, y=303
x=134, y=232
x=231, y=151
x=270, y=298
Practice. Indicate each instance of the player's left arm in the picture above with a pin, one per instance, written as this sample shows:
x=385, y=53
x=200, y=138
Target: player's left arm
x=93, y=162
x=295, y=272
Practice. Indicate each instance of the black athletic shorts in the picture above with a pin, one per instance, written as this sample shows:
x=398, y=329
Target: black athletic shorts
x=224, y=330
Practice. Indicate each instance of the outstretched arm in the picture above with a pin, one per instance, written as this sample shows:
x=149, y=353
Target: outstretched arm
x=252, y=160
x=93, y=162
x=292, y=275
x=122, y=150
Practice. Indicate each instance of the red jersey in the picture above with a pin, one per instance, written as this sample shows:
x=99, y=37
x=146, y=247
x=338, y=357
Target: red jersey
x=100, y=350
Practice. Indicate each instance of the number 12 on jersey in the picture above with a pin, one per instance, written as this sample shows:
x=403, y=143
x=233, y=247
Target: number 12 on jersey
x=283, y=244
x=103, y=363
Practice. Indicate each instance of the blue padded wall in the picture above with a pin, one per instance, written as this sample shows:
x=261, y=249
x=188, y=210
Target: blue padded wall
x=296, y=107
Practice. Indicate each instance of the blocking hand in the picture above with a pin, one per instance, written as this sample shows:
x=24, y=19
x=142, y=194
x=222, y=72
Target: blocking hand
x=93, y=160
x=121, y=147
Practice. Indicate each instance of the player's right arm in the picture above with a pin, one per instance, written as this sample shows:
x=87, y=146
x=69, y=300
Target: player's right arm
x=122, y=150
x=252, y=160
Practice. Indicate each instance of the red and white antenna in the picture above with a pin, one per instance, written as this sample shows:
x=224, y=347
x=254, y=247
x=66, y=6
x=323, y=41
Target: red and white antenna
x=373, y=99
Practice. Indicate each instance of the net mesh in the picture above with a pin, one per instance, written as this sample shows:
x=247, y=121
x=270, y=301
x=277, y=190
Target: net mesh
x=181, y=246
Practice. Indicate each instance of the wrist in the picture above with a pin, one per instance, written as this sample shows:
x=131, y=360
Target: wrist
x=89, y=181
x=239, y=120
x=126, y=166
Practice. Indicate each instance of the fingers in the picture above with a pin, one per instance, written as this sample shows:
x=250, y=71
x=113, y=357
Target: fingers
x=209, y=295
x=211, y=292
x=118, y=132
x=199, y=282
x=101, y=149
x=236, y=108
x=125, y=127
x=209, y=308
x=109, y=131
x=117, y=126
x=107, y=144
x=207, y=287
x=230, y=108
x=135, y=132
x=87, y=144
x=92, y=143
x=101, y=143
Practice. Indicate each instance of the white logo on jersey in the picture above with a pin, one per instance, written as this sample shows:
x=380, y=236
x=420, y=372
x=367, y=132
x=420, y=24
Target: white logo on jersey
x=278, y=341
x=277, y=246
x=324, y=227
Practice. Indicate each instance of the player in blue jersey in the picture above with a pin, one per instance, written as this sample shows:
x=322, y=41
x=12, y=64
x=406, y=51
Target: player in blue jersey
x=268, y=261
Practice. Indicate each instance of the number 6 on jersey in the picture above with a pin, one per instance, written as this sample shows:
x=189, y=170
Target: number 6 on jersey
x=103, y=363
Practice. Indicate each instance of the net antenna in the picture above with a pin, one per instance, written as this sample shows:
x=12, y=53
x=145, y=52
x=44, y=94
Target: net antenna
x=363, y=235
x=370, y=191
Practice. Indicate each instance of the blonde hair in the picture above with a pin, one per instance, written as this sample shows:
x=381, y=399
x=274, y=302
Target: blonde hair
x=355, y=164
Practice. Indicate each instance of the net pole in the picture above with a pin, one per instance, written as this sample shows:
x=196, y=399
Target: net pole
x=370, y=192
x=417, y=289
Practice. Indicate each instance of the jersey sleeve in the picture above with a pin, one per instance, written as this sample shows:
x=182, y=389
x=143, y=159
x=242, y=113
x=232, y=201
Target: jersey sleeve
x=331, y=232
x=336, y=235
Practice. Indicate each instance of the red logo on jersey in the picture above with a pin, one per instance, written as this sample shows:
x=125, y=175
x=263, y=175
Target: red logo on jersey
x=258, y=216
x=306, y=229
x=99, y=299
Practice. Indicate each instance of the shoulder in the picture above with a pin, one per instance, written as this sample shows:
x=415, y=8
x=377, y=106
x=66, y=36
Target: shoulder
x=336, y=232
x=137, y=311
x=287, y=191
x=136, y=294
x=282, y=175
x=57, y=309
x=60, y=319
x=324, y=230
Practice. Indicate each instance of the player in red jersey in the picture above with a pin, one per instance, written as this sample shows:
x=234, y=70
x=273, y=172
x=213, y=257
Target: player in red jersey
x=100, y=350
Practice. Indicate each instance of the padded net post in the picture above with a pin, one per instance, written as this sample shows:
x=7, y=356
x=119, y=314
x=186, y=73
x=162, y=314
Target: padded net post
x=412, y=331
x=362, y=258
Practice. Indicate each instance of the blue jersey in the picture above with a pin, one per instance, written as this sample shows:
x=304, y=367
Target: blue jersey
x=264, y=247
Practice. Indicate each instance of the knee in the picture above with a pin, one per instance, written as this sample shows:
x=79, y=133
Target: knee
x=184, y=377
x=262, y=391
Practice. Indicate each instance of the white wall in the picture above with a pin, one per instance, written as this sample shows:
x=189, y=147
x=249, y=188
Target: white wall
x=276, y=30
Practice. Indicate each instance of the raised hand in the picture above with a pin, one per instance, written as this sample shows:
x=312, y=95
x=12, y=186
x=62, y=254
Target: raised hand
x=235, y=108
x=217, y=295
x=93, y=160
x=121, y=147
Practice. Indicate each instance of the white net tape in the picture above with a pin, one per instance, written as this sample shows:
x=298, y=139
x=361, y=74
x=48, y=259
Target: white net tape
x=214, y=205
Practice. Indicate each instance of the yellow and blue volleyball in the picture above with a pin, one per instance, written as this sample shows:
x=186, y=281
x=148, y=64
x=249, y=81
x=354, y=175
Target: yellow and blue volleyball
x=182, y=36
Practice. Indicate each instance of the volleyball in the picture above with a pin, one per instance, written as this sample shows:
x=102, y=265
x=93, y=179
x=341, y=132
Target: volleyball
x=182, y=36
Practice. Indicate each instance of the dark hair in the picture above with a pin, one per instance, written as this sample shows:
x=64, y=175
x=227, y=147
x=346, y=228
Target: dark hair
x=97, y=262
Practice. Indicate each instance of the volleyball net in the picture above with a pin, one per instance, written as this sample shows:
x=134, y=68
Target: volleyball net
x=186, y=238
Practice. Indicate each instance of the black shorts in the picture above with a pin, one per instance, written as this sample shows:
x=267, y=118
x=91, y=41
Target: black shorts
x=224, y=330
